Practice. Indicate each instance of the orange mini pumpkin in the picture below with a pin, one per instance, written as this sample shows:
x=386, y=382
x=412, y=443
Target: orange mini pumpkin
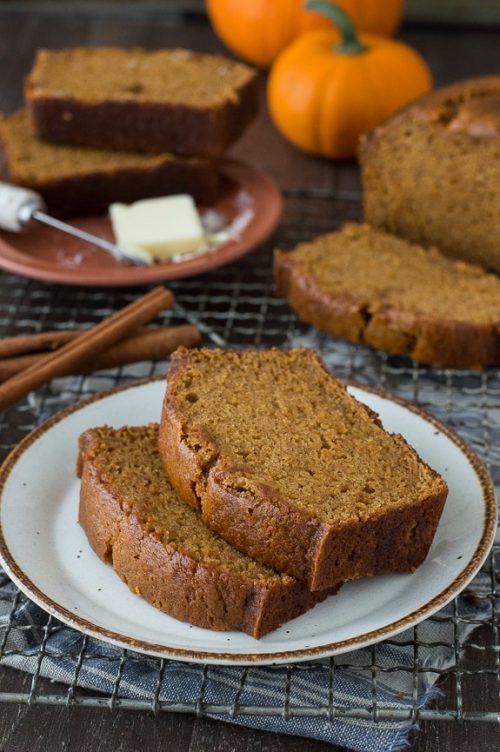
x=257, y=30
x=330, y=86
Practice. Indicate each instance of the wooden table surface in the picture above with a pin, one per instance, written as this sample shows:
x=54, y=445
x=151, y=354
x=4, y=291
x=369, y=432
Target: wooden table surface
x=452, y=54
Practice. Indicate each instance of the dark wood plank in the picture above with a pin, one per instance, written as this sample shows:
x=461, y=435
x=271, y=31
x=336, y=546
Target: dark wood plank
x=43, y=728
x=223, y=737
x=91, y=730
x=20, y=43
x=457, y=53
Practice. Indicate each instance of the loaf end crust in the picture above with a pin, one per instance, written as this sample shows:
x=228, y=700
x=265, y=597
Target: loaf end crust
x=430, y=172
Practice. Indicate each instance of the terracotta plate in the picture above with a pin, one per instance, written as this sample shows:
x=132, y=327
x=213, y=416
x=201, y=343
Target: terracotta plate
x=47, y=555
x=47, y=254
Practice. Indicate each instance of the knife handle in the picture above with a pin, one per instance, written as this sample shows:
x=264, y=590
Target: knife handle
x=17, y=206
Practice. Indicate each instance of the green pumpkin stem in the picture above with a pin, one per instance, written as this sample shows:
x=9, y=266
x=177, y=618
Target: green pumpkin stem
x=350, y=44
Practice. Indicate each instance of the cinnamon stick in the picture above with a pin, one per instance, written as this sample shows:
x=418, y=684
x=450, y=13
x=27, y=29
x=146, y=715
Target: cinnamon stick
x=88, y=345
x=32, y=343
x=147, y=344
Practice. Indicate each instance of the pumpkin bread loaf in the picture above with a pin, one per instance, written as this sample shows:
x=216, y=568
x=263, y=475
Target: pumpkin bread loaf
x=134, y=100
x=364, y=285
x=75, y=181
x=431, y=173
x=286, y=466
x=162, y=550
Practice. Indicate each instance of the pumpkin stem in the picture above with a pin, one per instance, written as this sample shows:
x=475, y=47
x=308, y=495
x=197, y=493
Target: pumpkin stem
x=350, y=43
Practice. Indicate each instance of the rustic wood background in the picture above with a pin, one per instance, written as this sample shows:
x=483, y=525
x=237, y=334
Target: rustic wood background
x=461, y=12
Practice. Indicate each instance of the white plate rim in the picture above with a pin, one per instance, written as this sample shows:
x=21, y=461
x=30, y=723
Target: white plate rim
x=470, y=569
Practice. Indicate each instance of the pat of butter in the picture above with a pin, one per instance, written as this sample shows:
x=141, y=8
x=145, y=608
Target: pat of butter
x=163, y=227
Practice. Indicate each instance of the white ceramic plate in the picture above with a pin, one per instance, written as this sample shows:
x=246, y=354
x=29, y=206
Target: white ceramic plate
x=46, y=553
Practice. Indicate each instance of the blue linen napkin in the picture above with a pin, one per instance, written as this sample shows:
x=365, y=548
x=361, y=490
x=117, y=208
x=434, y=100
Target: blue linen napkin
x=72, y=658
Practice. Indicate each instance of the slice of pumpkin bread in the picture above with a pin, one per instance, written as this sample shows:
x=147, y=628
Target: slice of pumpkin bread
x=288, y=467
x=74, y=181
x=131, y=99
x=161, y=548
x=365, y=285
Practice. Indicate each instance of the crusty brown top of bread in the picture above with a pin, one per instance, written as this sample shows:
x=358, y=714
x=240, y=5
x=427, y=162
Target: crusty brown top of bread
x=471, y=106
x=173, y=76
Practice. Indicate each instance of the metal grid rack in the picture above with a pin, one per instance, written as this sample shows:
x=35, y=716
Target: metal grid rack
x=237, y=304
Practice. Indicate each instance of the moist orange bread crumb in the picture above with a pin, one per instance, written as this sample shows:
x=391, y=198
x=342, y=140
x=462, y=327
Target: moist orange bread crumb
x=160, y=547
x=286, y=466
x=365, y=285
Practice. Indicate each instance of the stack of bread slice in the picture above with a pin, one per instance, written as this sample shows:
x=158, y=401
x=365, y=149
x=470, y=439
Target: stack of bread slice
x=265, y=486
x=105, y=125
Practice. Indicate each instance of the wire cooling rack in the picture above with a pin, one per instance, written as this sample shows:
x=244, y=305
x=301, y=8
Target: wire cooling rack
x=236, y=305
